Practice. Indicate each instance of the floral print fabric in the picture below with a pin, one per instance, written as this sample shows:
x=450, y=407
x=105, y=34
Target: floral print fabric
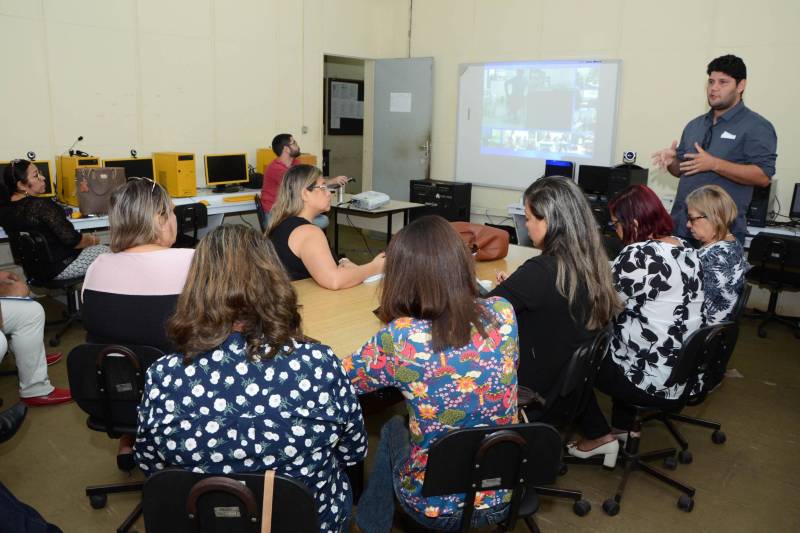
x=474, y=385
x=724, y=267
x=296, y=413
x=661, y=287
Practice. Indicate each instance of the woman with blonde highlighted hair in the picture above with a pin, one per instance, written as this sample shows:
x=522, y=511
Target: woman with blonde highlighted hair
x=247, y=391
x=302, y=246
x=710, y=214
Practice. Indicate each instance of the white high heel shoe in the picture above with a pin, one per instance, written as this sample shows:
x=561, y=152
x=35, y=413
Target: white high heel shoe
x=609, y=451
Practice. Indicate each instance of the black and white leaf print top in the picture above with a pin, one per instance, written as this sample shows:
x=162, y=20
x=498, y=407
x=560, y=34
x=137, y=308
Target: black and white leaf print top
x=661, y=287
x=296, y=413
x=724, y=267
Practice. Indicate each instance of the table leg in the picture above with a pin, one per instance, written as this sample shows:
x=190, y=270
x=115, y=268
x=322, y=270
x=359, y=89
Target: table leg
x=389, y=228
x=336, y=232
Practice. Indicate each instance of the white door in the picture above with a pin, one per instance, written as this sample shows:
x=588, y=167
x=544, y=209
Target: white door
x=403, y=108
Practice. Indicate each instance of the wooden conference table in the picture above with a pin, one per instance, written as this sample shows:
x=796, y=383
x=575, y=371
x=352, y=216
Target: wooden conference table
x=344, y=319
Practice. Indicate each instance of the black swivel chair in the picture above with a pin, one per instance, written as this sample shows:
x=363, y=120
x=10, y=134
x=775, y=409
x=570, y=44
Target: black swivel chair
x=723, y=347
x=190, y=218
x=568, y=399
x=107, y=382
x=517, y=457
x=776, y=266
x=180, y=501
x=31, y=250
x=262, y=216
x=693, y=358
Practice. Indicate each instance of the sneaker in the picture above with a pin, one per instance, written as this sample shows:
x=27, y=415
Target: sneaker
x=53, y=358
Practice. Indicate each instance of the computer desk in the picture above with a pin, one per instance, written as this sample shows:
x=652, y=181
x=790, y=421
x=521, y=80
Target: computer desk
x=394, y=206
x=217, y=209
x=344, y=319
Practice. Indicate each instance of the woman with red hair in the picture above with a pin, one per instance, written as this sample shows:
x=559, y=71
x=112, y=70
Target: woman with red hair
x=659, y=279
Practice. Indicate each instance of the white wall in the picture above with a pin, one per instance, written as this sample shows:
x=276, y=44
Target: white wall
x=664, y=50
x=204, y=76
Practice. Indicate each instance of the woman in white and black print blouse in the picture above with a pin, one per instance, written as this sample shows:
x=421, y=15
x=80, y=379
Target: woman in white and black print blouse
x=247, y=391
x=660, y=281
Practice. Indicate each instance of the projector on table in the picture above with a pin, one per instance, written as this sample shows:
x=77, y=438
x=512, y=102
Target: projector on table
x=369, y=200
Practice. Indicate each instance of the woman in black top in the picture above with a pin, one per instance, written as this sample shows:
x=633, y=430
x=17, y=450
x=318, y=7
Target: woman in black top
x=301, y=246
x=563, y=296
x=22, y=211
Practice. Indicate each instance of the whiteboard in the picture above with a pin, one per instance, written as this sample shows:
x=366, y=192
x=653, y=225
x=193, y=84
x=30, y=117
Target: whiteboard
x=514, y=116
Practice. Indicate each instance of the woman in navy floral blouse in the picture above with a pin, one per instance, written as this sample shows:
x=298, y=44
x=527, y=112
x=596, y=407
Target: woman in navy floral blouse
x=247, y=391
x=454, y=358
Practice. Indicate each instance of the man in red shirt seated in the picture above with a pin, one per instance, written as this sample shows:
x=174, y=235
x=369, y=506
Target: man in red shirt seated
x=287, y=150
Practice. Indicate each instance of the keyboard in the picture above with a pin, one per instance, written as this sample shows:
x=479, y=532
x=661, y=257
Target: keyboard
x=240, y=198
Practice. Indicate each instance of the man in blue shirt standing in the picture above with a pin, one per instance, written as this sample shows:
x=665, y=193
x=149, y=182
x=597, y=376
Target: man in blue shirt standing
x=730, y=146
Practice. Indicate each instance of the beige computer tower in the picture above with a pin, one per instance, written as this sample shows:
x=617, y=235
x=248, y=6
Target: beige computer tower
x=66, y=167
x=175, y=171
x=264, y=157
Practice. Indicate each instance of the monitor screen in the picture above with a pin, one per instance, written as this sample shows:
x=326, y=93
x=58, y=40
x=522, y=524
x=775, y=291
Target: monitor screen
x=794, y=212
x=139, y=168
x=594, y=179
x=44, y=170
x=226, y=168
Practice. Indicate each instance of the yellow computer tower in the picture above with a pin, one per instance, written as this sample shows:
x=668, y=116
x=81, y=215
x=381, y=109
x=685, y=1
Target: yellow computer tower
x=175, y=171
x=66, y=167
x=264, y=157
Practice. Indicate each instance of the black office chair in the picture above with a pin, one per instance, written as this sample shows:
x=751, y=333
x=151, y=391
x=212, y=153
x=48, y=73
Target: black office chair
x=262, y=216
x=31, y=250
x=190, y=218
x=517, y=457
x=567, y=399
x=713, y=376
x=180, y=501
x=776, y=266
x=693, y=358
x=107, y=382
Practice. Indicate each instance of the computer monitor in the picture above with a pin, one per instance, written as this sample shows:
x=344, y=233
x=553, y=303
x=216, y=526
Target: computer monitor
x=794, y=210
x=594, y=179
x=44, y=170
x=225, y=169
x=134, y=167
x=554, y=167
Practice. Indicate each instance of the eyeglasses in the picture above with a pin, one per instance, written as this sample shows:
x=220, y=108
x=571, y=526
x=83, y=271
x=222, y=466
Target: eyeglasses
x=323, y=188
x=692, y=219
x=152, y=189
x=612, y=224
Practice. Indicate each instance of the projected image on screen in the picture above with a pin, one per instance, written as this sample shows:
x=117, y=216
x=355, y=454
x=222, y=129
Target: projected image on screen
x=540, y=112
x=513, y=117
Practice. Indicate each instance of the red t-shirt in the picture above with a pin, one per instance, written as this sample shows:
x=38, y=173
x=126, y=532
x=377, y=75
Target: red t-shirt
x=272, y=182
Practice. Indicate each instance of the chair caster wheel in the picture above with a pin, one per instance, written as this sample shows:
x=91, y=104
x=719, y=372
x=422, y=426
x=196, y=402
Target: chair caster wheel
x=719, y=437
x=762, y=333
x=98, y=501
x=563, y=469
x=54, y=342
x=581, y=507
x=685, y=457
x=686, y=503
x=670, y=463
x=611, y=507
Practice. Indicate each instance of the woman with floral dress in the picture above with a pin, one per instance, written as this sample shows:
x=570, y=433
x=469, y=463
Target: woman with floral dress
x=454, y=358
x=247, y=391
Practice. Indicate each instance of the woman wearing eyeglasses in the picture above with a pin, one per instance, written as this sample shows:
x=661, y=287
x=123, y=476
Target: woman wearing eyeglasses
x=301, y=246
x=710, y=214
x=21, y=210
x=129, y=295
x=659, y=279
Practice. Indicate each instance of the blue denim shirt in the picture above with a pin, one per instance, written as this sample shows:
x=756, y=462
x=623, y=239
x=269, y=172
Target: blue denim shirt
x=739, y=136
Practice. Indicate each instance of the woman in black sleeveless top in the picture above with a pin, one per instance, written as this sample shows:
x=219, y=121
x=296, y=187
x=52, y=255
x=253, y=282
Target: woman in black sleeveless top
x=302, y=246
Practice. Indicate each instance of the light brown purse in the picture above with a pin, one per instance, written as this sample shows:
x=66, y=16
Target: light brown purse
x=486, y=243
x=94, y=186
